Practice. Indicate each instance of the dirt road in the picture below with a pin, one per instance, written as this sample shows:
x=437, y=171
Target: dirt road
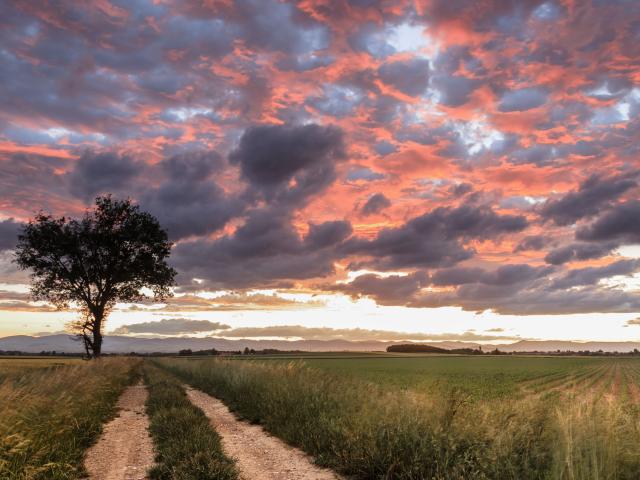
x=259, y=455
x=125, y=450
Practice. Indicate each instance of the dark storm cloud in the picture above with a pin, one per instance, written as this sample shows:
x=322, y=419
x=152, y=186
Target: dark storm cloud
x=375, y=204
x=102, y=172
x=620, y=224
x=189, y=201
x=389, y=290
x=327, y=234
x=435, y=238
x=280, y=26
x=593, y=194
x=454, y=89
x=531, y=242
x=265, y=251
x=270, y=157
x=9, y=230
x=592, y=275
x=579, y=251
x=411, y=77
x=503, y=275
x=460, y=189
x=522, y=100
x=537, y=300
x=171, y=326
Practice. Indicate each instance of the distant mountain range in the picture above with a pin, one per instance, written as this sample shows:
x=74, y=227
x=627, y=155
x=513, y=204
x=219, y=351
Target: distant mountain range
x=124, y=344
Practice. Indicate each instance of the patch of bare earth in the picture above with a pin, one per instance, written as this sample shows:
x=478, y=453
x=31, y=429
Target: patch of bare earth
x=259, y=455
x=125, y=449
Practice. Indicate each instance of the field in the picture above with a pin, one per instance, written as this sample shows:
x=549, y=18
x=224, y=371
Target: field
x=364, y=416
x=20, y=365
x=440, y=416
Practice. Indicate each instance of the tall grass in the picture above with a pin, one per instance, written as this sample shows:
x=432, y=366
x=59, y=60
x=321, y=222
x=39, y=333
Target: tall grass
x=49, y=417
x=188, y=447
x=367, y=431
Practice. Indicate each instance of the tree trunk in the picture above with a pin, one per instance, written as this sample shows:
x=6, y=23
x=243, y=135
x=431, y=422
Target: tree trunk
x=97, y=335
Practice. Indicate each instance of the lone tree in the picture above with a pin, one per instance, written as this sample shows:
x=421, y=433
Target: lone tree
x=107, y=256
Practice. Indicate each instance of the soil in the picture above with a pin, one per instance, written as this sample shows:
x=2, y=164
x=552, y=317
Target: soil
x=125, y=449
x=259, y=455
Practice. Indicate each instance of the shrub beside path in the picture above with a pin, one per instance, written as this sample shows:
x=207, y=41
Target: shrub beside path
x=124, y=450
x=258, y=455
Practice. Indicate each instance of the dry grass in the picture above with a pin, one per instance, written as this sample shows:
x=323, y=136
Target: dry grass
x=48, y=417
x=369, y=431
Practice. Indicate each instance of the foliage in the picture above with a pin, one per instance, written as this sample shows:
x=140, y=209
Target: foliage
x=108, y=255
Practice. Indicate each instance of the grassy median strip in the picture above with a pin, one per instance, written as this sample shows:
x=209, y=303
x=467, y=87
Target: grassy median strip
x=187, y=446
x=50, y=416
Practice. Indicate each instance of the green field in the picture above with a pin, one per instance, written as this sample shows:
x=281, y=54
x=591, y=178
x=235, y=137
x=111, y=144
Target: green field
x=366, y=416
x=19, y=365
x=441, y=416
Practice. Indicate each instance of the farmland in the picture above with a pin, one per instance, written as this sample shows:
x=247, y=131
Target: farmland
x=441, y=417
x=364, y=416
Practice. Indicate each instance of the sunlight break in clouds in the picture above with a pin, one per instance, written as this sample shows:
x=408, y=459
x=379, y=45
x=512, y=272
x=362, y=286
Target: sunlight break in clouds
x=439, y=169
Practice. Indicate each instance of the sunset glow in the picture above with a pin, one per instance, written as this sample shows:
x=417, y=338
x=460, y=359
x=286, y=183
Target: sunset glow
x=361, y=170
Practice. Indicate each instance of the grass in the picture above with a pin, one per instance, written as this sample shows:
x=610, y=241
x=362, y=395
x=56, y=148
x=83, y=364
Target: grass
x=10, y=366
x=50, y=416
x=187, y=446
x=439, y=417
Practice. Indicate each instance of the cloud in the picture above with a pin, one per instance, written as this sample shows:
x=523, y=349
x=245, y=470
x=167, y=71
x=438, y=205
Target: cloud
x=189, y=201
x=356, y=334
x=9, y=230
x=409, y=77
x=507, y=275
x=271, y=157
x=388, y=290
x=375, y=204
x=102, y=172
x=531, y=242
x=594, y=193
x=579, y=251
x=265, y=251
x=620, y=224
x=235, y=301
x=522, y=100
x=171, y=326
x=435, y=238
x=592, y=275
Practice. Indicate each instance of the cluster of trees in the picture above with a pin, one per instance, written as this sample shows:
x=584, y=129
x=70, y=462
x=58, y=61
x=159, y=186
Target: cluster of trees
x=188, y=352
x=420, y=348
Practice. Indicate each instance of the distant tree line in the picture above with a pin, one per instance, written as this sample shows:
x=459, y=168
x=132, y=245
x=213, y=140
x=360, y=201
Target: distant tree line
x=418, y=348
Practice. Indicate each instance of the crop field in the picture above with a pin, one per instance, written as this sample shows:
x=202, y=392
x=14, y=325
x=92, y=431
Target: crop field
x=439, y=416
x=20, y=365
x=363, y=416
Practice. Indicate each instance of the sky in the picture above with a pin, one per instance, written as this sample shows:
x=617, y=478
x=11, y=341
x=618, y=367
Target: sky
x=427, y=170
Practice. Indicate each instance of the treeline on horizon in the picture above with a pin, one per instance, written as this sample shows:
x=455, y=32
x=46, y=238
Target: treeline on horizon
x=403, y=348
x=421, y=348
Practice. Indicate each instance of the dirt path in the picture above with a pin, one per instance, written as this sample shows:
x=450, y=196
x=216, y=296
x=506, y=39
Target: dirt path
x=259, y=455
x=125, y=450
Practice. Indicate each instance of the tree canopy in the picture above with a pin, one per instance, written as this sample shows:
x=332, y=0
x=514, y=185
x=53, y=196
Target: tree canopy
x=109, y=255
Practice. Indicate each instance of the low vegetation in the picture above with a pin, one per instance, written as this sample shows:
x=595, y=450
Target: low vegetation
x=187, y=446
x=50, y=415
x=573, y=420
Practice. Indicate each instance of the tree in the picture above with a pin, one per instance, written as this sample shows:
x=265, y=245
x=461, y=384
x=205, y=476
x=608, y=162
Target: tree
x=109, y=255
